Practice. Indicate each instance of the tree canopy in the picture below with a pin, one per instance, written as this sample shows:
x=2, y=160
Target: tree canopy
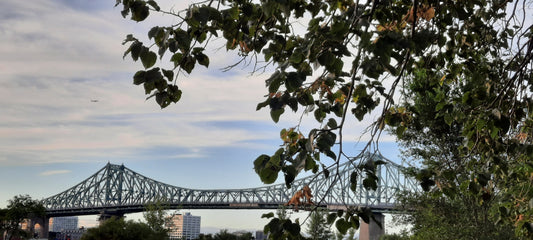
x=458, y=71
x=19, y=209
x=120, y=229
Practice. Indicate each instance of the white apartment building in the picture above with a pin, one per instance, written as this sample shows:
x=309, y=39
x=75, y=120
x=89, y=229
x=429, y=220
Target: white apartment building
x=184, y=226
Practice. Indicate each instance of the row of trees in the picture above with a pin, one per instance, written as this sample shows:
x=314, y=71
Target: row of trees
x=155, y=226
x=121, y=229
x=225, y=235
x=451, y=79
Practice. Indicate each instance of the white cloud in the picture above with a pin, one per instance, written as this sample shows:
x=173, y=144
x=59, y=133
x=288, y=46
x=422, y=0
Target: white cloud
x=54, y=172
x=45, y=38
x=58, y=59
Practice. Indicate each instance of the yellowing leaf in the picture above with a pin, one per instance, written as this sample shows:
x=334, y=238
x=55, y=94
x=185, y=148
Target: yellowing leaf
x=441, y=81
x=428, y=13
x=301, y=197
x=402, y=25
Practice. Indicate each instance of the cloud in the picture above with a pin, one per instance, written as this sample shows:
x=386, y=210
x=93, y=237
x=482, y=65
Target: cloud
x=54, y=172
x=59, y=55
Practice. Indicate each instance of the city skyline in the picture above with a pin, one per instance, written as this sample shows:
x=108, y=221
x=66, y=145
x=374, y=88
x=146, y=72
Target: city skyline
x=69, y=107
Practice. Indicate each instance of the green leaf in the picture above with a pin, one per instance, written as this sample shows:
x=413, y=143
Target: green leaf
x=310, y=163
x=326, y=58
x=154, y=5
x=331, y=218
x=176, y=58
x=332, y=123
x=148, y=58
x=365, y=214
x=163, y=99
x=275, y=114
x=293, y=81
x=306, y=99
x=135, y=49
x=175, y=93
x=400, y=130
x=296, y=57
x=481, y=124
x=354, y=220
x=268, y=215
x=342, y=225
x=330, y=154
x=370, y=182
x=292, y=228
x=440, y=106
x=139, y=77
x=340, y=212
x=353, y=181
x=264, y=167
x=169, y=74
x=269, y=174
x=319, y=114
x=325, y=171
x=183, y=40
x=188, y=64
x=262, y=104
x=448, y=119
x=153, y=32
x=260, y=162
x=139, y=10
x=160, y=84
x=202, y=59
x=274, y=81
x=336, y=66
x=290, y=175
x=202, y=15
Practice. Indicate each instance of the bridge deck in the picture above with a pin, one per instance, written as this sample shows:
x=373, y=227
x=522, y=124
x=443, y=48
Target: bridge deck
x=116, y=188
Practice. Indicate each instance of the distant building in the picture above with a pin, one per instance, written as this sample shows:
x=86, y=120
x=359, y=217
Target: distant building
x=184, y=226
x=63, y=223
x=260, y=235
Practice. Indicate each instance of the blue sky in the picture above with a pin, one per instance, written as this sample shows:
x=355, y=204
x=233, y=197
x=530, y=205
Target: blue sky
x=58, y=55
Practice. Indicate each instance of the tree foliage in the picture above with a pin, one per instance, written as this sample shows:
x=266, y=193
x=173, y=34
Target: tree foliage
x=120, y=229
x=19, y=209
x=470, y=134
x=224, y=234
x=441, y=217
x=157, y=218
x=467, y=62
x=282, y=227
x=317, y=228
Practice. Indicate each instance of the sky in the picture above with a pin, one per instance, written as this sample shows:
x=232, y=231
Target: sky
x=68, y=107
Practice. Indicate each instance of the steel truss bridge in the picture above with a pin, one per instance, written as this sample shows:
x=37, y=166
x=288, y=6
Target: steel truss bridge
x=115, y=189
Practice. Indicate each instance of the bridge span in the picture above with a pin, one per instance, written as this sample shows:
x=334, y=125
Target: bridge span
x=115, y=189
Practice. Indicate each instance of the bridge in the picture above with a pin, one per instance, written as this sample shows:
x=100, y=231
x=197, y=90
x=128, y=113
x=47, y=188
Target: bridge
x=117, y=190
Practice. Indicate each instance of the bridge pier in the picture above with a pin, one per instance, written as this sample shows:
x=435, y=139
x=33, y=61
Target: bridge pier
x=105, y=215
x=43, y=226
x=371, y=230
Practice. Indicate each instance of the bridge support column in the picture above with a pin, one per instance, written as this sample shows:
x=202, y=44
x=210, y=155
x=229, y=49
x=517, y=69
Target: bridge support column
x=43, y=227
x=371, y=230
